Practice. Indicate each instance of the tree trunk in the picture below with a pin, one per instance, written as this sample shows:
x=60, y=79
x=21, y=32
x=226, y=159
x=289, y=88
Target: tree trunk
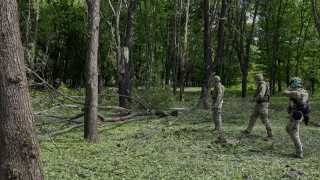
x=120, y=65
x=220, y=48
x=203, y=99
x=315, y=15
x=19, y=149
x=176, y=50
x=184, y=51
x=168, y=55
x=124, y=80
x=243, y=46
x=91, y=101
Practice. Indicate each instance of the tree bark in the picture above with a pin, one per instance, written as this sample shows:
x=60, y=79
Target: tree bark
x=203, y=99
x=19, y=149
x=184, y=51
x=91, y=101
x=124, y=80
x=316, y=16
x=176, y=50
x=220, y=48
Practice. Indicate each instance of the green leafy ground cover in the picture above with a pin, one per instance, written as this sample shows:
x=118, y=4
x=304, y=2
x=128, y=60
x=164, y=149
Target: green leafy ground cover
x=183, y=147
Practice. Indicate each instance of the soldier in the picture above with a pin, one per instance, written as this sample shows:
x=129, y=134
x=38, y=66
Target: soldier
x=217, y=100
x=295, y=92
x=261, y=97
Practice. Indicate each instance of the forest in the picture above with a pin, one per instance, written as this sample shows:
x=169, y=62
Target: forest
x=127, y=83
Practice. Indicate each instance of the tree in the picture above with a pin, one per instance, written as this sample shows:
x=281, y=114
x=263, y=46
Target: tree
x=184, y=51
x=91, y=102
x=19, y=147
x=202, y=102
x=124, y=79
x=316, y=15
x=220, y=48
x=243, y=40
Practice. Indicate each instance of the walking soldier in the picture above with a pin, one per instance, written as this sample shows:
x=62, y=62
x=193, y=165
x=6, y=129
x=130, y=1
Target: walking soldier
x=261, y=97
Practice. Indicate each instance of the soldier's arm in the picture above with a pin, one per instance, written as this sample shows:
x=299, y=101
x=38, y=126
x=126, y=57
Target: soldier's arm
x=293, y=94
x=262, y=91
x=219, y=95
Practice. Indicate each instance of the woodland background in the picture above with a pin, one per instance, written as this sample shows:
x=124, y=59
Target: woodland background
x=276, y=38
x=115, y=60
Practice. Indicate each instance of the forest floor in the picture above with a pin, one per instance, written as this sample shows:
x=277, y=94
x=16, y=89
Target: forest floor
x=184, y=147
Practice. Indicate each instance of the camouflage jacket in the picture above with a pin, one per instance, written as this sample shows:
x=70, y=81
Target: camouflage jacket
x=298, y=94
x=217, y=95
x=262, y=93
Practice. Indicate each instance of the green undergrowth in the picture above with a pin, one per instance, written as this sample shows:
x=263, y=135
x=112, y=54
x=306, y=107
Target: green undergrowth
x=184, y=147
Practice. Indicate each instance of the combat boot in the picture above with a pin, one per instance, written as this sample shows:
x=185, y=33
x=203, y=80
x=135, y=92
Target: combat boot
x=216, y=131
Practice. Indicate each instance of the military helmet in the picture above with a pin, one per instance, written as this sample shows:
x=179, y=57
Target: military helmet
x=295, y=81
x=216, y=78
x=258, y=77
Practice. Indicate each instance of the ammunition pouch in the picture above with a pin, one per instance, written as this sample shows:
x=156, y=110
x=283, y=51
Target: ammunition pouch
x=264, y=99
x=297, y=115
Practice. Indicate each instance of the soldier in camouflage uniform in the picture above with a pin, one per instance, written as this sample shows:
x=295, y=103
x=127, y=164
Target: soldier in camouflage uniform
x=295, y=92
x=217, y=100
x=261, y=97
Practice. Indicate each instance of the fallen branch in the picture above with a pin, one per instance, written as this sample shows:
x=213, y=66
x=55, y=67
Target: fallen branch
x=59, y=106
x=60, y=132
x=52, y=88
x=131, y=115
x=102, y=118
x=112, y=95
x=114, y=107
x=61, y=120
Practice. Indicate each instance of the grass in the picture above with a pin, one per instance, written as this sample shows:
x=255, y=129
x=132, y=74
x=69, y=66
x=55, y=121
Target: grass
x=153, y=148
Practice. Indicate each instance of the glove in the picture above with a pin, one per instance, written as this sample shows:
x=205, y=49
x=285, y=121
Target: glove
x=214, y=107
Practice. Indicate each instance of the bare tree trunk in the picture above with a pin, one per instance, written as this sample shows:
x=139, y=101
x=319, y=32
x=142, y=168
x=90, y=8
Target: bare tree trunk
x=176, y=54
x=120, y=65
x=316, y=15
x=184, y=51
x=203, y=99
x=220, y=48
x=91, y=102
x=124, y=81
x=19, y=149
x=168, y=55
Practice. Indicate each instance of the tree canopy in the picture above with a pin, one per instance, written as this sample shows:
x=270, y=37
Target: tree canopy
x=280, y=43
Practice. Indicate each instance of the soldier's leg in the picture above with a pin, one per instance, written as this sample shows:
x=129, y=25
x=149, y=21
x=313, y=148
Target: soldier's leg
x=253, y=118
x=293, y=130
x=265, y=119
x=217, y=119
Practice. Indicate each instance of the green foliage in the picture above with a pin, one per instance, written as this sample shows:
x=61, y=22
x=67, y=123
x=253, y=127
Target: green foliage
x=156, y=97
x=153, y=148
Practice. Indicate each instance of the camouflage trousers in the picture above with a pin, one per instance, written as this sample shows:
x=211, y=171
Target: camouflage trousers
x=261, y=110
x=216, y=114
x=292, y=129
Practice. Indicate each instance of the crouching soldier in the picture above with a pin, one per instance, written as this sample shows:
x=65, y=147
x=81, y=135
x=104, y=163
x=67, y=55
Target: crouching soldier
x=296, y=93
x=217, y=100
x=261, y=97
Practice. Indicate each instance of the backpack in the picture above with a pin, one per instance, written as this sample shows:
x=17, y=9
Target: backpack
x=303, y=106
